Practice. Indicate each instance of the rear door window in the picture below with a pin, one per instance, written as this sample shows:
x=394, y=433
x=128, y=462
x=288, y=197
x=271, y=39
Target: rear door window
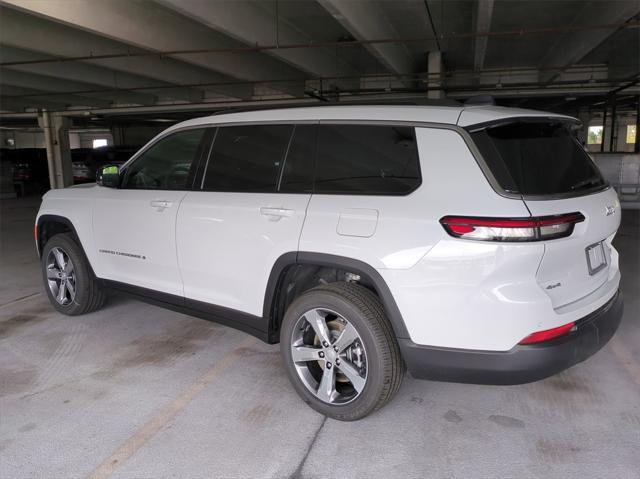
x=367, y=160
x=297, y=172
x=247, y=158
x=537, y=159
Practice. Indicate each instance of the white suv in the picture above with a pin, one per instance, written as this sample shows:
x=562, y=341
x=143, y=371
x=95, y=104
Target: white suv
x=472, y=244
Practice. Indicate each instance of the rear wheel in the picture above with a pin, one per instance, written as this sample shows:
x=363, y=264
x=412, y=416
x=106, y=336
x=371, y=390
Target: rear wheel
x=71, y=287
x=340, y=352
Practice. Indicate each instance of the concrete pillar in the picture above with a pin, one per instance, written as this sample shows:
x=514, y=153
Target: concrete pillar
x=636, y=147
x=585, y=118
x=56, y=139
x=434, y=69
x=613, y=136
x=118, y=135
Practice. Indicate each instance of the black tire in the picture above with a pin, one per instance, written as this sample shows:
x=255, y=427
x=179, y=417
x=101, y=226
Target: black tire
x=89, y=296
x=362, y=308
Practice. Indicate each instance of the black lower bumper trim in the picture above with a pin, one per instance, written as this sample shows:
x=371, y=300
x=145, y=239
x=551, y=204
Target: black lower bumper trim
x=522, y=364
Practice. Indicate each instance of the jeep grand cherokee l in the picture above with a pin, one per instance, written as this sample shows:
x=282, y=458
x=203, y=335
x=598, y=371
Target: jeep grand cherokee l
x=470, y=244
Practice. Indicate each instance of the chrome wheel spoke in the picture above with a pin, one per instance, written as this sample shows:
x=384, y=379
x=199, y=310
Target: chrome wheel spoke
x=59, y=257
x=327, y=387
x=319, y=325
x=53, y=273
x=352, y=375
x=302, y=354
x=71, y=287
x=346, y=338
x=62, y=293
x=68, y=269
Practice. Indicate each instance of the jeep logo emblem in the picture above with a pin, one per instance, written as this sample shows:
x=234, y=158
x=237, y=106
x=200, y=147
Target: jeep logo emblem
x=609, y=210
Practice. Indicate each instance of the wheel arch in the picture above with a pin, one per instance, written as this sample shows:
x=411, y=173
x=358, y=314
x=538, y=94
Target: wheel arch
x=289, y=264
x=48, y=226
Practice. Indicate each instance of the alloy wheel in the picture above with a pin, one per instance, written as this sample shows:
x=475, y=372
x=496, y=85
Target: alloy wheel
x=61, y=276
x=329, y=356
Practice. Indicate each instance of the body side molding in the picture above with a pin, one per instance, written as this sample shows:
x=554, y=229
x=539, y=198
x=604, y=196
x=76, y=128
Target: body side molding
x=245, y=322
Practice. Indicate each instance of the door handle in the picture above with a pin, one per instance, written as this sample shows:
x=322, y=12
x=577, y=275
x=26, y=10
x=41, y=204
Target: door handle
x=275, y=214
x=161, y=204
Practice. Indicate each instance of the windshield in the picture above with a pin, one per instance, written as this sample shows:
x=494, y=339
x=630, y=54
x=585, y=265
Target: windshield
x=537, y=158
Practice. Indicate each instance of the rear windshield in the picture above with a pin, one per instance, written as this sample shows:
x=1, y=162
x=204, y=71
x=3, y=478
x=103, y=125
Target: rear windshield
x=537, y=158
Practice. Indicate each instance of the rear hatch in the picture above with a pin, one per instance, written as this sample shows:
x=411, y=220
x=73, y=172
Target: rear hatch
x=540, y=160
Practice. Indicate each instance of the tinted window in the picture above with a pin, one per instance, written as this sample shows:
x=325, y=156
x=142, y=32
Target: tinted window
x=536, y=158
x=368, y=160
x=297, y=175
x=166, y=164
x=247, y=158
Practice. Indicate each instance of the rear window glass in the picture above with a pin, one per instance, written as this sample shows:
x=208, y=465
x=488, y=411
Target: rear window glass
x=367, y=160
x=537, y=158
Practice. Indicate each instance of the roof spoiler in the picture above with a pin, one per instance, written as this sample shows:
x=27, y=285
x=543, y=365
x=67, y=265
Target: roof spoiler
x=479, y=100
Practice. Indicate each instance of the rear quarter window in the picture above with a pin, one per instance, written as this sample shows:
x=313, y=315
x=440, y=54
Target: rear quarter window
x=537, y=159
x=366, y=160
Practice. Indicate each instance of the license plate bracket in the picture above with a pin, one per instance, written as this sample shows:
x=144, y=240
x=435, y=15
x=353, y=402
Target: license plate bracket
x=596, y=258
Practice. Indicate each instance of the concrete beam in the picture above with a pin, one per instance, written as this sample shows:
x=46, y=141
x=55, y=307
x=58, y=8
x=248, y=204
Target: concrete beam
x=43, y=39
x=99, y=77
x=20, y=105
x=254, y=24
x=52, y=84
x=160, y=29
x=573, y=47
x=484, y=14
x=366, y=21
x=32, y=96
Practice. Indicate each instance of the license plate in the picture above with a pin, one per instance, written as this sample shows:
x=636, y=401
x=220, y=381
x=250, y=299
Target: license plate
x=596, y=259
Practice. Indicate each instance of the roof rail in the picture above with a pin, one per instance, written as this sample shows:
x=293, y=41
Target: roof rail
x=345, y=103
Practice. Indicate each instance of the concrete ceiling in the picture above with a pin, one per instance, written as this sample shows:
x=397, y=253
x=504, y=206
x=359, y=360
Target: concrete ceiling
x=161, y=54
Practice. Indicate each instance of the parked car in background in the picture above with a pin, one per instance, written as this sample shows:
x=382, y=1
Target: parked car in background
x=86, y=161
x=81, y=172
x=30, y=170
x=7, y=187
x=108, y=155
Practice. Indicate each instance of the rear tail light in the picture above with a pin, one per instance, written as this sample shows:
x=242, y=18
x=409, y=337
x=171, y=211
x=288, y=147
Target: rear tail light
x=511, y=229
x=549, y=334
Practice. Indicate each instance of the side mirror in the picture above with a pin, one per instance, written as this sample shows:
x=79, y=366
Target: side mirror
x=108, y=176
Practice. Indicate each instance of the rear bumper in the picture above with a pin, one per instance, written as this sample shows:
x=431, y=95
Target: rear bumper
x=522, y=364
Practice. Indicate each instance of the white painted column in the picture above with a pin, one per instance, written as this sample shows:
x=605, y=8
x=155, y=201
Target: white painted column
x=434, y=69
x=585, y=118
x=56, y=138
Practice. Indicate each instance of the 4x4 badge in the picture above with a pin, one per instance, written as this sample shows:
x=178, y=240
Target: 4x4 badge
x=609, y=210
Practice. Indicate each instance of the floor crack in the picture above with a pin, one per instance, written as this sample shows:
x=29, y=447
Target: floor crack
x=297, y=474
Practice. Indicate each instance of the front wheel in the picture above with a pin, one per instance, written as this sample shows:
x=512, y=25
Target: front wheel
x=340, y=352
x=71, y=287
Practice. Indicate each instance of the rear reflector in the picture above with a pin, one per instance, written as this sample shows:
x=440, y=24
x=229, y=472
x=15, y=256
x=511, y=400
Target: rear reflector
x=511, y=229
x=548, y=335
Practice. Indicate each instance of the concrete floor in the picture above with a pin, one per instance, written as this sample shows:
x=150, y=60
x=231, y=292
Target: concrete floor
x=139, y=392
